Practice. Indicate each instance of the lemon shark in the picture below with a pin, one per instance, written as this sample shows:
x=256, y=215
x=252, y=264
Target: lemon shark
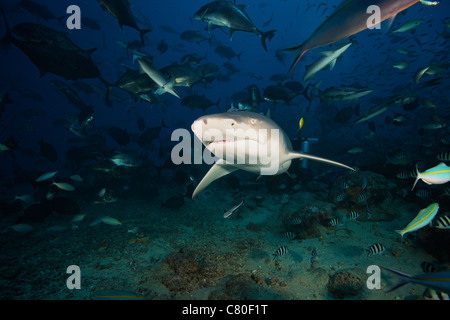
x=243, y=140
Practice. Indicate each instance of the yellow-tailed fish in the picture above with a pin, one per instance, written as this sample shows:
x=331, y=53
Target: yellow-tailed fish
x=423, y=218
x=111, y=221
x=436, y=280
x=300, y=124
x=348, y=19
x=439, y=174
x=429, y=3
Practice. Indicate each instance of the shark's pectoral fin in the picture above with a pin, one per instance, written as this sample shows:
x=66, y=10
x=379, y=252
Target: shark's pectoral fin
x=298, y=155
x=218, y=170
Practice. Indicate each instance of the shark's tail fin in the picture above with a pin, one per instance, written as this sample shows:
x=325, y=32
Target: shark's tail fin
x=266, y=35
x=301, y=51
x=299, y=155
x=405, y=279
x=142, y=34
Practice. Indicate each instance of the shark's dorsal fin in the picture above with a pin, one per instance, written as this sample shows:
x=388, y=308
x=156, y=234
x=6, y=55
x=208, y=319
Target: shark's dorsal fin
x=218, y=170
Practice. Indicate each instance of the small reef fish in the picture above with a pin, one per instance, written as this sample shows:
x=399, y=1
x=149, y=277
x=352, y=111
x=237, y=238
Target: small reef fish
x=439, y=174
x=420, y=73
x=443, y=156
x=46, y=176
x=300, y=124
x=352, y=215
x=408, y=26
x=443, y=222
x=64, y=186
x=111, y=221
x=25, y=198
x=437, y=280
x=22, y=227
x=228, y=213
x=295, y=221
x=362, y=197
x=376, y=248
x=102, y=192
x=289, y=235
x=423, y=218
x=429, y=3
x=334, y=222
x=355, y=150
x=78, y=218
x=281, y=251
x=428, y=267
x=422, y=193
x=401, y=66
x=106, y=220
x=431, y=294
x=76, y=178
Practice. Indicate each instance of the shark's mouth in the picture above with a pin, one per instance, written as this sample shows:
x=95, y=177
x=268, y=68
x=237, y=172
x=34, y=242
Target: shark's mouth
x=222, y=142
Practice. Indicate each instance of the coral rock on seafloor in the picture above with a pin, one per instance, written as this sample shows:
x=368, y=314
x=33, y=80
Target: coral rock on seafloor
x=345, y=284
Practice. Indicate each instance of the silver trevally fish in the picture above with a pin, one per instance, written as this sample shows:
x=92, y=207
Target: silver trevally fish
x=227, y=14
x=348, y=19
x=248, y=141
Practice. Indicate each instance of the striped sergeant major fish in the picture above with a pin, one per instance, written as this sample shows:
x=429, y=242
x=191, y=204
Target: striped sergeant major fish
x=437, y=280
x=281, y=251
x=443, y=222
x=348, y=19
x=376, y=248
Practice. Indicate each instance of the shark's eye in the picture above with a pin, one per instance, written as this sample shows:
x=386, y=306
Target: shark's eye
x=232, y=124
x=205, y=121
x=253, y=121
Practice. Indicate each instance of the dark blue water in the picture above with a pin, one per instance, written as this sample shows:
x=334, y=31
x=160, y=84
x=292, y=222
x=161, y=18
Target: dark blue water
x=38, y=112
